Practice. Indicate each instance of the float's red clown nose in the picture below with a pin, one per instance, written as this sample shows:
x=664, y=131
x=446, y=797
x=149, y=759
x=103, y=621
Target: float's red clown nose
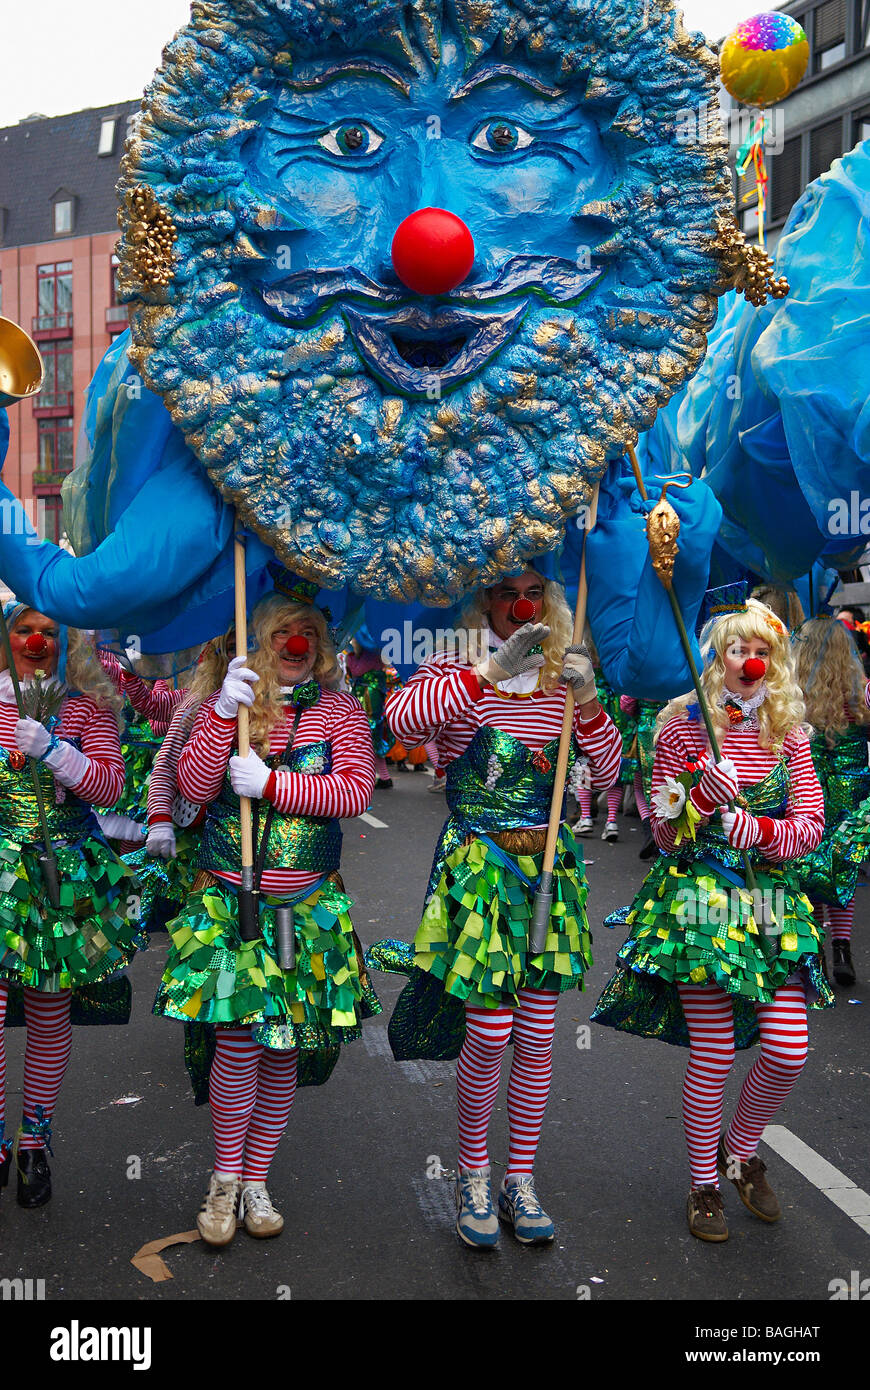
x=523, y=610
x=296, y=646
x=35, y=644
x=432, y=251
x=754, y=668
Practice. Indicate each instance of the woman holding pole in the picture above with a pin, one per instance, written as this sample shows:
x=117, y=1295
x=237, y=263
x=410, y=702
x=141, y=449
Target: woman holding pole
x=495, y=711
x=723, y=948
x=264, y=948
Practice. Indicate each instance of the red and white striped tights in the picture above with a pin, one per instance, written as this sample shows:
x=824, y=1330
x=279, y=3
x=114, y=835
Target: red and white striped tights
x=783, y=1028
x=47, y=1051
x=487, y=1034
x=836, y=920
x=614, y=801
x=640, y=795
x=251, y=1091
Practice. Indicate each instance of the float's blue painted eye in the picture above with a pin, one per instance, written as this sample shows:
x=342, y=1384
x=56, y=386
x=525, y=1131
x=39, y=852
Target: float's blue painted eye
x=501, y=137
x=351, y=138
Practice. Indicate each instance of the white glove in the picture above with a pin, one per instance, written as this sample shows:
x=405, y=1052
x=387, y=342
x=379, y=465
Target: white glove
x=743, y=831
x=514, y=657
x=577, y=668
x=117, y=827
x=31, y=737
x=236, y=689
x=161, y=841
x=249, y=775
x=67, y=763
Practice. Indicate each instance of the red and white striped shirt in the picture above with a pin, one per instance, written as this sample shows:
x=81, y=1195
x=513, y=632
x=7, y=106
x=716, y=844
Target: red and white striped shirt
x=345, y=791
x=803, y=824
x=97, y=731
x=163, y=782
x=155, y=702
x=445, y=704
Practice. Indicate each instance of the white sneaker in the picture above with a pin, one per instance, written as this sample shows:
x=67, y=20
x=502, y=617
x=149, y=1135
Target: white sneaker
x=583, y=826
x=260, y=1217
x=438, y=784
x=610, y=831
x=216, y=1221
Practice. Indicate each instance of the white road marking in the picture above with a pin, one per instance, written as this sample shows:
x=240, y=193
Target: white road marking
x=373, y=820
x=834, y=1185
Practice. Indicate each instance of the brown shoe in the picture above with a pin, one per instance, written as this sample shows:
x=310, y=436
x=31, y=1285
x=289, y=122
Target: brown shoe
x=705, y=1213
x=755, y=1191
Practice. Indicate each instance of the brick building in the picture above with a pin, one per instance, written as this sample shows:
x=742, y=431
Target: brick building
x=58, y=232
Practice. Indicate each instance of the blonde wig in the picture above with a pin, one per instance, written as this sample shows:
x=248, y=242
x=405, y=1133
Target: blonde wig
x=783, y=602
x=474, y=619
x=782, y=710
x=272, y=613
x=83, y=669
x=830, y=674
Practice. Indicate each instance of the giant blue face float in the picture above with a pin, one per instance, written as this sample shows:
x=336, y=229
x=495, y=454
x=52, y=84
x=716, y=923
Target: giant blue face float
x=414, y=445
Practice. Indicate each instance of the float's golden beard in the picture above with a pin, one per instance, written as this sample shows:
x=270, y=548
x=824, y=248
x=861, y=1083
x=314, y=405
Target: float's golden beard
x=408, y=498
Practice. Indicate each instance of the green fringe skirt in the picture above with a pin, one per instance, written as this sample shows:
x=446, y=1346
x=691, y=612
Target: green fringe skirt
x=475, y=928
x=212, y=976
x=165, y=880
x=93, y=935
x=696, y=927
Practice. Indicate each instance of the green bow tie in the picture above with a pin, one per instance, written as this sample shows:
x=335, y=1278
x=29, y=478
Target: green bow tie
x=302, y=696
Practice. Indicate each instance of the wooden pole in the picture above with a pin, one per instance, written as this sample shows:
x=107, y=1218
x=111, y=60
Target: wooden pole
x=249, y=923
x=544, y=894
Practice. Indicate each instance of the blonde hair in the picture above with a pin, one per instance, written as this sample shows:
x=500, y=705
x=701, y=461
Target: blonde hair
x=783, y=709
x=272, y=613
x=831, y=676
x=785, y=603
x=555, y=612
x=211, y=667
x=83, y=669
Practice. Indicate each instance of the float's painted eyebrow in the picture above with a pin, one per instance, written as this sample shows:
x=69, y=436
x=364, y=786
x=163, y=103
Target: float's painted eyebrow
x=351, y=67
x=499, y=72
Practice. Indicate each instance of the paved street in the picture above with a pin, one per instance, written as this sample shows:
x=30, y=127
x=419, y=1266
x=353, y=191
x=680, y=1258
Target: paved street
x=365, y=1218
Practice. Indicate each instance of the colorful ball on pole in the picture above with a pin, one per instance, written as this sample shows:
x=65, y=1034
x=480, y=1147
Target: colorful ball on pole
x=432, y=251
x=764, y=59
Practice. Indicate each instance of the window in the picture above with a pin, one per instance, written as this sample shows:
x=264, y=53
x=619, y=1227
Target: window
x=57, y=392
x=785, y=179
x=829, y=34
x=113, y=289
x=63, y=218
x=51, y=506
x=56, y=445
x=54, y=295
x=861, y=125
x=108, y=126
x=826, y=145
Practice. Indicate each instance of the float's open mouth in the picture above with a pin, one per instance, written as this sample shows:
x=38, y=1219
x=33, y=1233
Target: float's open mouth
x=417, y=351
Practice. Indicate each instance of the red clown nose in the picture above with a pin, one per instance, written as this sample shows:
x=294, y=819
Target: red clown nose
x=432, y=251
x=296, y=646
x=35, y=644
x=754, y=668
x=523, y=610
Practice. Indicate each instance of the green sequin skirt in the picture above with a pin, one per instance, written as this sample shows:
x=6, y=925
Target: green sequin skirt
x=695, y=926
x=89, y=938
x=475, y=928
x=212, y=976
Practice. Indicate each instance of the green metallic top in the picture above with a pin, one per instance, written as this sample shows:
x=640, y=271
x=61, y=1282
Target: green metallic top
x=295, y=842
x=71, y=820
x=769, y=797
